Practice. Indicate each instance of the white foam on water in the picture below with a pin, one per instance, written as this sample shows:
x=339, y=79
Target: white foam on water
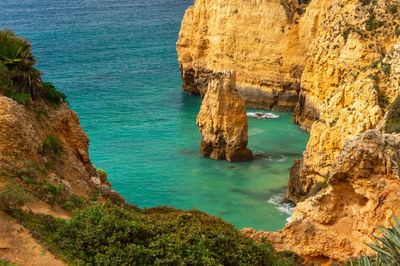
x=262, y=115
x=255, y=131
x=286, y=208
x=282, y=158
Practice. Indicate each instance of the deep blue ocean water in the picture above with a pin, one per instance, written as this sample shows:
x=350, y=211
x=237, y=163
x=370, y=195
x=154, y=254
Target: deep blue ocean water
x=116, y=61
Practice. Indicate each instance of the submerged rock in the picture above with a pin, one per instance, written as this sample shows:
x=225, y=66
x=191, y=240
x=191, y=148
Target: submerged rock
x=223, y=121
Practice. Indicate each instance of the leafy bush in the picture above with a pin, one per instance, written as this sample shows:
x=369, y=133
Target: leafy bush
x=386, y=68
x=393, y=119
x=39, y=113
x=372, y=23
x=4, y=262
x=12, y=197
x=53, y=95
x=102, y=175
x=110, y=235
x=387, y=247
x=393, y=9
x=21, y=98
x=52, y=146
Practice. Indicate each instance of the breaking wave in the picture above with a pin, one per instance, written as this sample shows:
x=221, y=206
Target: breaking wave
x=286, y=208
x=262, y=115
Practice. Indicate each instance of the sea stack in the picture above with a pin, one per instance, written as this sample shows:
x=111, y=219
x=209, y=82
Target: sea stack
x=222, y=121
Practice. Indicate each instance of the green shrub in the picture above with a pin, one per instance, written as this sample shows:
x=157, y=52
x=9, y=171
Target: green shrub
x=102, y=175
x=387, y=247
x=53, y=95
x=383, y=100
x=393, y=9
x=78, y=200
x=386, y=68
x=39, y=113
x=52, y=146
x=17, y=60
x=12, y=197
x=393, y=120
x=21, y=98
x=4, y=262
x=42, y=171
x=346, y=33
x=19, y=79
x=372, y=23
x=110, y=235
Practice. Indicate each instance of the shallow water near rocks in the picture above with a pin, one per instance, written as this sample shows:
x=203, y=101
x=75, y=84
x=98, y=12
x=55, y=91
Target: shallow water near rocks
x=117, y=63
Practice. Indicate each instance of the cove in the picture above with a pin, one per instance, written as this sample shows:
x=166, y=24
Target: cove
x=117, y=63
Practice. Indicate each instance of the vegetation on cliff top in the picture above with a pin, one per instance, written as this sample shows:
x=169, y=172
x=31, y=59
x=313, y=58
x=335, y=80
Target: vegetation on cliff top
x=19, y=79
x=121, y=234
x=393, y=119
x=116, y=235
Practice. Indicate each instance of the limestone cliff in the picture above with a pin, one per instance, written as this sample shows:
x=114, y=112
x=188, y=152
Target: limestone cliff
x=353, y=35
x=222, y=121
x=363, y=191
x=23, y=131
x=340, y=62
x=369, y=70
x=265, y=42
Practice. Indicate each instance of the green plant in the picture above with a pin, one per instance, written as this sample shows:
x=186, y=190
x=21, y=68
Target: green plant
x=375, y=64
x=346, y=33
x=383, y=100
x=52, y=146
x=53, y=95
x=28, y=180
x=4, y=262
x=18, y=61
x=393, y=119
x=386, y=68
x=387, y=247
x=111, y=235
x=78, y=201
x=39, y=113
x=42, y=171
x=393, y=9
x=12, y=197
x=300, y=11
x=372, y=23
x=21, y=98
x=102, y=175
x=18, y=76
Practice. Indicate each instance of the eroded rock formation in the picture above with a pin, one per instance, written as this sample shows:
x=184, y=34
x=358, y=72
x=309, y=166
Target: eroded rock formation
x=357, y=104
x=222, y=120
x=23, y=132
x=342, y=60
x=265, y=42
x=363, y=191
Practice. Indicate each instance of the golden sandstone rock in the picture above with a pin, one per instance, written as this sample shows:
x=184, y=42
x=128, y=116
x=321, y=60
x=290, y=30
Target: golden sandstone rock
x=222, y=121
x=340, y=63
x=23, y=132
x=263, y=41
x=363, y=191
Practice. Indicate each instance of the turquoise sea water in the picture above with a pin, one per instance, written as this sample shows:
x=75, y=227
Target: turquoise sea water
x=116, y=61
